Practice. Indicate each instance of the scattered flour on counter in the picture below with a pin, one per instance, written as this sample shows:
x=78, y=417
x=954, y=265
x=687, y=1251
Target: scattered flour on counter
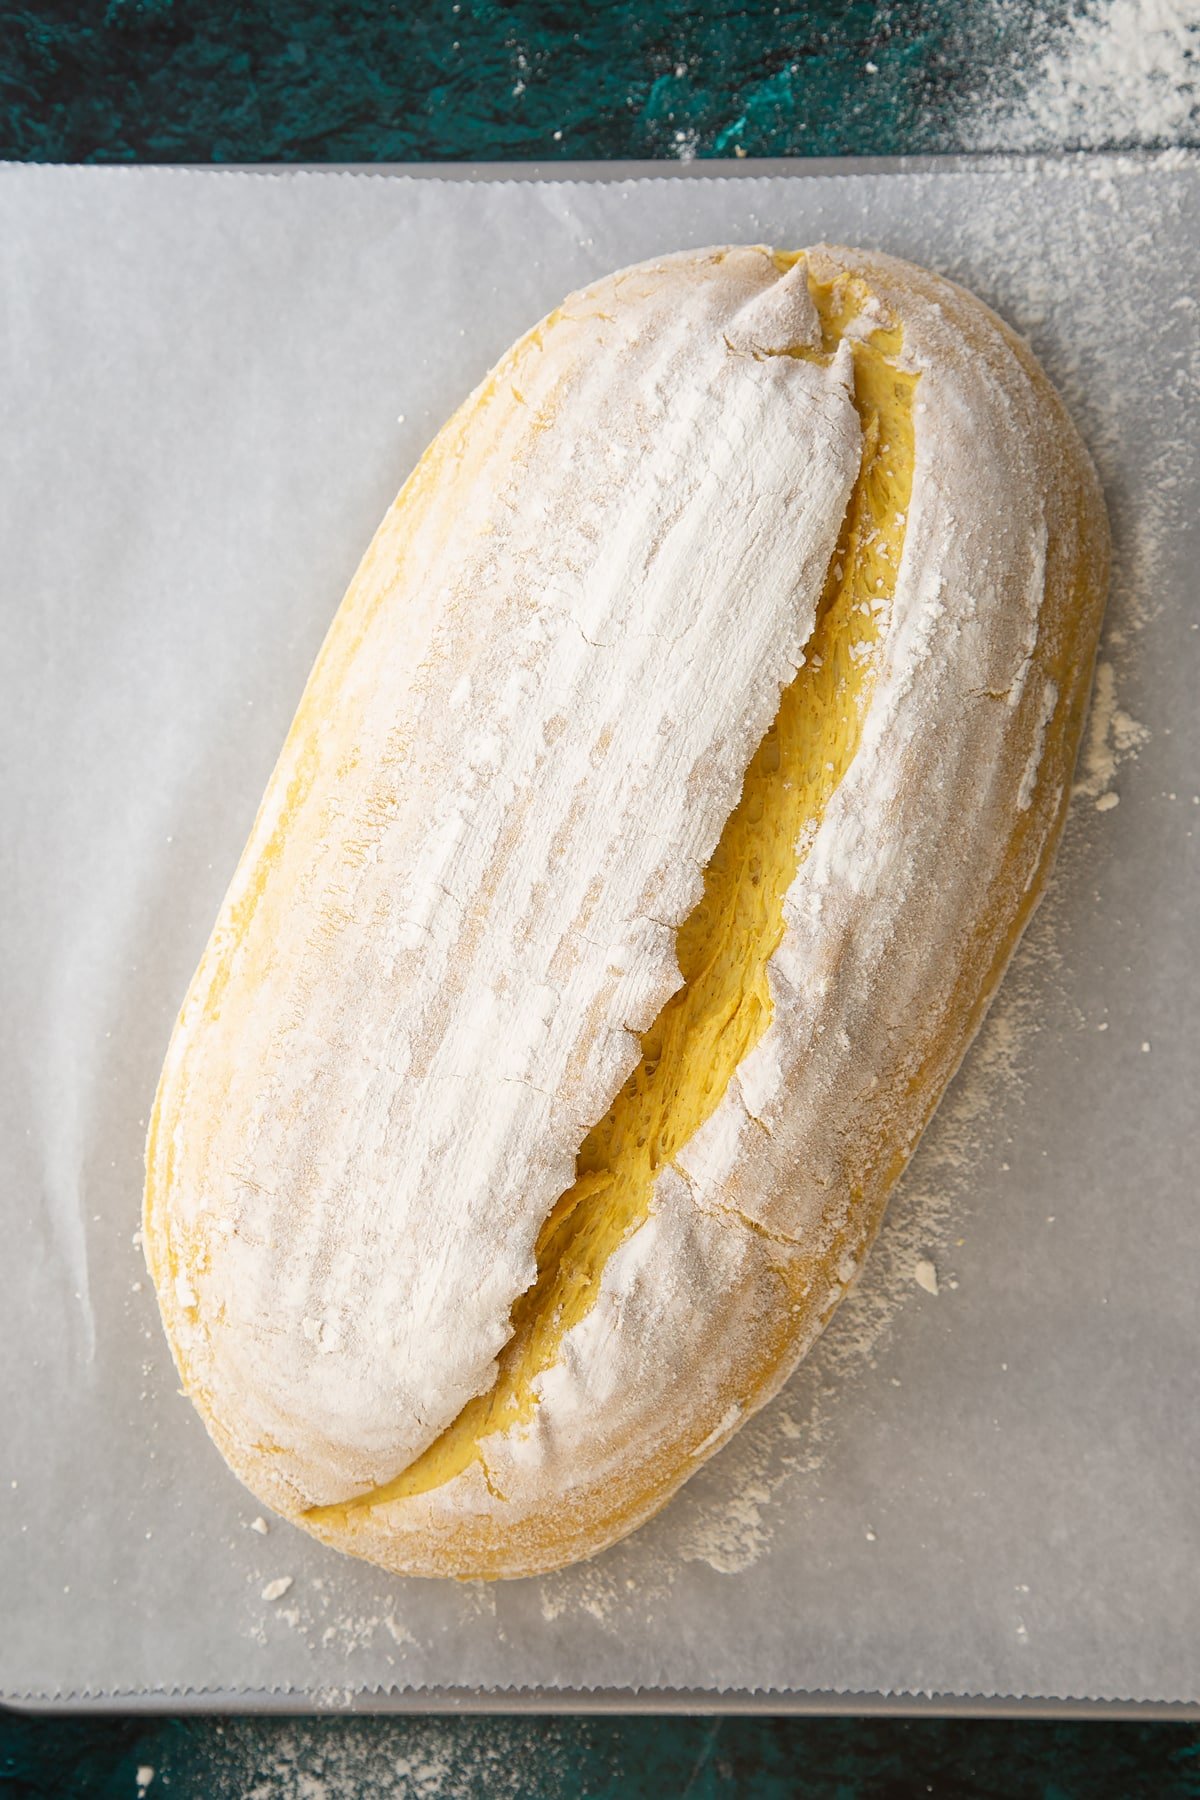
x=329, y=1626
x=399, y=1634
x=925, y=1275
x=349, y=1631
x=1112, y=736
x=601, y=1590
x=386, y=1759
x=1123, y=72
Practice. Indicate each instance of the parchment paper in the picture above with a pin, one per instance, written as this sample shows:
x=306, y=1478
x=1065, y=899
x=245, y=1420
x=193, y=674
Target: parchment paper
x=212, y=386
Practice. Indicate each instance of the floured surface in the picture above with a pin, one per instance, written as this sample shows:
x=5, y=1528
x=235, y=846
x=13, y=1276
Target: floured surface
x=983, y=1489
x=1115, y=72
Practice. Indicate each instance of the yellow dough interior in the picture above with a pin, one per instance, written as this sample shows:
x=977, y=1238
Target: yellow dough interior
x=703, y=1032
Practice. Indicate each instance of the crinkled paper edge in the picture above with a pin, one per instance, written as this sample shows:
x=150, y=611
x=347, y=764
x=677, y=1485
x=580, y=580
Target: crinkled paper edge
x=401, y=1698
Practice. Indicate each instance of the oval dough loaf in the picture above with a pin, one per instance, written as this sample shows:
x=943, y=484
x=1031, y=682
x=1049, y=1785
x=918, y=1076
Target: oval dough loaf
x=668, y=796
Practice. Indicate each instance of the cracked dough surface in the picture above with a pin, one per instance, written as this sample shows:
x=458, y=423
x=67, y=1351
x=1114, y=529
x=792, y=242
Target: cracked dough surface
x=706, y=490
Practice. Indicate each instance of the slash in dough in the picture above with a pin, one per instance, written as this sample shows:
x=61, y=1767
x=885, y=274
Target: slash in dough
x=669, y=794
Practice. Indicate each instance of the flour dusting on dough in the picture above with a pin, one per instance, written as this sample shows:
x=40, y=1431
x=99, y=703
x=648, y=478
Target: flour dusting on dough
x=732, y=1508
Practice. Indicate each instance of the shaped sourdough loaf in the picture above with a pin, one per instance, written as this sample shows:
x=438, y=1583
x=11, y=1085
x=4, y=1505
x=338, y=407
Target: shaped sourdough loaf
x=674, y=783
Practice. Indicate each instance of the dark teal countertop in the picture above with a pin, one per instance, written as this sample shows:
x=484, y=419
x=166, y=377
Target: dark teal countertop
x=165, y=81
x=605, y=1759
x=377, y=81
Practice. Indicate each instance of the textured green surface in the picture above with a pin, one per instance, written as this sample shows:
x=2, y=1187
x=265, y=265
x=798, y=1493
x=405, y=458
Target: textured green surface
x=501, y=1759
x=164, y=80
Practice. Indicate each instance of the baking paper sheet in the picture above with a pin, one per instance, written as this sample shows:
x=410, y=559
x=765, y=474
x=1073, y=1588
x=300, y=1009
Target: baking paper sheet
x=212, y=386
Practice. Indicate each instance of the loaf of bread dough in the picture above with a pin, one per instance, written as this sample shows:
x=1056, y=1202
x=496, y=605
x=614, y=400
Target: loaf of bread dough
x=669, y=794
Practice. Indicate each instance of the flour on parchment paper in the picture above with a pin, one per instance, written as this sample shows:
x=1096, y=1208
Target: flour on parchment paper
x=317, y=1613
x=1112, y=735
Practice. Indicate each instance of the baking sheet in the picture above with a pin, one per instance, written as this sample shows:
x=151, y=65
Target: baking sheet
x=212, y=385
